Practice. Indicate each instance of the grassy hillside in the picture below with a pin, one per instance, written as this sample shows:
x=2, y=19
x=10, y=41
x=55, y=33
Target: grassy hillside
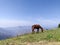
x=47, y=35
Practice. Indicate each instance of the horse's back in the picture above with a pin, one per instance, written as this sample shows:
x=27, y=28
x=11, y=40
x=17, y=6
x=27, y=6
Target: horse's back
x=36, y=26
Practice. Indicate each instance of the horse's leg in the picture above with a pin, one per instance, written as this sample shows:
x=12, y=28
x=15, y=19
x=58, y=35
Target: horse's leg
x=38, y=30
x=41, y=29
x=33, y=30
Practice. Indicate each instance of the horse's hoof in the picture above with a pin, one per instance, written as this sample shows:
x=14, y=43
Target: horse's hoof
x=33, y=32
x=37, y=32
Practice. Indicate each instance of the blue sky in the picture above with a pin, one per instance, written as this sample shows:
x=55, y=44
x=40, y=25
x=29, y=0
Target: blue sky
x=28, y=12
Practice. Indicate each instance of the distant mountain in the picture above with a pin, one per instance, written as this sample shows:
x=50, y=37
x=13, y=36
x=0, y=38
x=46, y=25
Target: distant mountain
x=4, y=34
x=14, y=31
x=19, y=30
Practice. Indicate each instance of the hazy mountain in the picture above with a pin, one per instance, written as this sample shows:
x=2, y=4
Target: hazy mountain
x=14, y=31
x=19, y=30
x=4, y=34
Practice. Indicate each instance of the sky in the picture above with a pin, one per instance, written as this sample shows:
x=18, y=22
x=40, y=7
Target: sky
x=29, y=12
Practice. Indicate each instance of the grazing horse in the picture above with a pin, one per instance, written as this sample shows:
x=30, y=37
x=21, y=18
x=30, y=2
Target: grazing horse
x=37, y=26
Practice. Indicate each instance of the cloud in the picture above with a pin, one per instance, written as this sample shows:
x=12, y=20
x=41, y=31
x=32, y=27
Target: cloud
x=48, y=22
x=41, y=21
x=9, y=23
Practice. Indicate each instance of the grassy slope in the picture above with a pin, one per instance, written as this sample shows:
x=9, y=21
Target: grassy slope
x=48, y=35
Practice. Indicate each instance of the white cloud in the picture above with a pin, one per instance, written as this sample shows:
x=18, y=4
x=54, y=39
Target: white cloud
x=9, y=23
x=48, y=22
x=41, y=21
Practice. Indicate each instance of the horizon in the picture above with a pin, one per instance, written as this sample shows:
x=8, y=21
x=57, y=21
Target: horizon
x=28, y=12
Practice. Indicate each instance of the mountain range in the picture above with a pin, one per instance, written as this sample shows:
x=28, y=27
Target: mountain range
x=14, y=31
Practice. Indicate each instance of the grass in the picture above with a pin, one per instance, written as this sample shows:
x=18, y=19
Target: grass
x=48, y=35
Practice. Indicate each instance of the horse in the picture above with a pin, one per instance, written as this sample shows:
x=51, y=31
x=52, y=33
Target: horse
x=36, y=26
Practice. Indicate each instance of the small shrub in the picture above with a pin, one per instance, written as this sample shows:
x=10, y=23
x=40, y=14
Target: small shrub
x=58, y=25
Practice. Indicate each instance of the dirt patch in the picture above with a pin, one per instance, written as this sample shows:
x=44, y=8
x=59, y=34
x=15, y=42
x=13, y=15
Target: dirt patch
x=42, y=43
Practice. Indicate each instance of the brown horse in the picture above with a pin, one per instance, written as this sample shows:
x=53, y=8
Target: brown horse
x=37, y=26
